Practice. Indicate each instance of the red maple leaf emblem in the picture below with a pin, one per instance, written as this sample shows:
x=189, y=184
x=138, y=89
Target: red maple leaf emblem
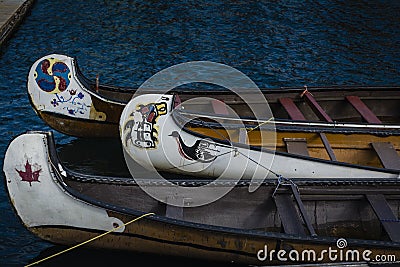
x=28, y=175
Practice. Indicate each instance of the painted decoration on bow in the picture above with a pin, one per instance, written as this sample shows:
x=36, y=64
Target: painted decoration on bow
x=202, y=150
x=52, y=75
x=53, y=87
x=30, y=174
x=141, y=124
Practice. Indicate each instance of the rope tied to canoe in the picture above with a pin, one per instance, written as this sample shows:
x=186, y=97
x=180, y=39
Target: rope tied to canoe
x=97, y=83
x=61, y=171
x=305, y=91
x=90, y=240
x=284, y=181
x=259, y=125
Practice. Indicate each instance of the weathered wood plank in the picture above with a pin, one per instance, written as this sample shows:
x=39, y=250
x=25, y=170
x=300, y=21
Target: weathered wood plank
x=327, y=146
x=385, y=214
x=302, y=209
x=291, y=221
x=364, y=111
x=296, y=146
x=243, y=138
x=174, y=212
x=291, y=108
x=12, y=13
x=387, y=154
x=318, y=110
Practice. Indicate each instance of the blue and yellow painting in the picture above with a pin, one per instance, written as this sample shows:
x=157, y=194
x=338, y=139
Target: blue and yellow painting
x=52, y=75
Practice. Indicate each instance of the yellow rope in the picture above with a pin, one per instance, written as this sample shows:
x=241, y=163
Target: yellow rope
x=90, y=240
x=258, y=126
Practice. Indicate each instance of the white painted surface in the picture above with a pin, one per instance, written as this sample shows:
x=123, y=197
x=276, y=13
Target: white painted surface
x=246, y=163
x=73, y=101
x=44, y=202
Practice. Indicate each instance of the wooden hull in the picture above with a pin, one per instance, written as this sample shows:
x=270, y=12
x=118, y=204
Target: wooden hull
x=195, y=244
x=240, y=227
x=79, y=127
x=68, y=95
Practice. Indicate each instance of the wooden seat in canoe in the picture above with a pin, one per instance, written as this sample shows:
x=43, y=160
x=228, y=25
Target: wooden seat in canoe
x=294, y=220
x=364, y=111
x=389, y=221
x=291, y=108
x=317, y=109
x=290, y=218
x=387, y=154
x=296, y=146
x=295, y=114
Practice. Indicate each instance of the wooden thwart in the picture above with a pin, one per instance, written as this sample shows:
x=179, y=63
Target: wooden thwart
x=291, y=221
x=387, y=154
x=172, y=211
x=318, y=110
x=327, y=146
x=302, y=209
x=291, y=108
x=385, y=214
x=364, y=111
x=295, y=114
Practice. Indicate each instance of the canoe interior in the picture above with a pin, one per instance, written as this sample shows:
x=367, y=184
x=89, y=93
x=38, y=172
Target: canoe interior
x=381, y=103
x=380, y=100
x=336, y=106
x=349, y=148
x=340, y=211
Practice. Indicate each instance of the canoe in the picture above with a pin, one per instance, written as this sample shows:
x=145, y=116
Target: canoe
x=75, y=105
x=325, y=221
x=159, y=135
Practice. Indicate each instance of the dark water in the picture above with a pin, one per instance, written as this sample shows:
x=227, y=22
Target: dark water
x=275, y=43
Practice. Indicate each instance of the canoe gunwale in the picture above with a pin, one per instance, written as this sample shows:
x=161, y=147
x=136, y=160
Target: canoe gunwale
x=284, y=89
x=89, y=85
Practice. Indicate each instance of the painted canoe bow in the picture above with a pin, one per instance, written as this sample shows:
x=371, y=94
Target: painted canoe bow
x=72, y=104
x=153, y=136
x=63, y=99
